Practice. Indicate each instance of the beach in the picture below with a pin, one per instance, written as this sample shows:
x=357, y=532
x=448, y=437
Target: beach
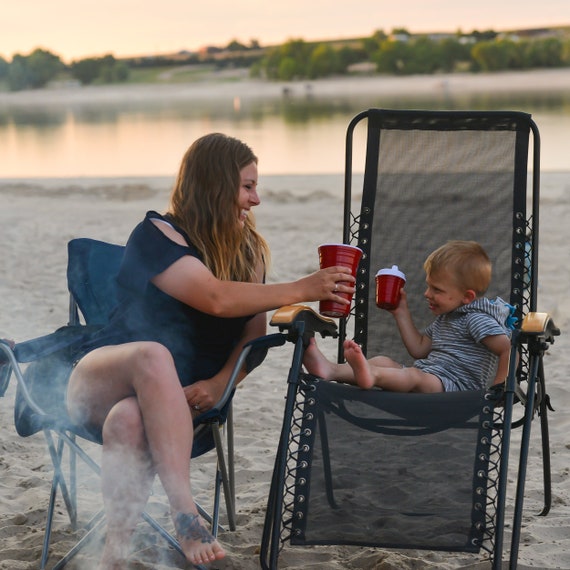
x=37, y=219
x=43, y=215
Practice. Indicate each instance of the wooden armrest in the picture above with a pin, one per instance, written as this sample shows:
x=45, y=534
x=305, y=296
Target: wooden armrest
x=539, y=324
x=286, y=317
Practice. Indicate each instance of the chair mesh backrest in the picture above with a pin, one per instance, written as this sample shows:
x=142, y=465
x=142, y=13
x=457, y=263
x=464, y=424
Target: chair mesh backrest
x=91, y=277
x=430, y=178
x=91, y=271
x=370, y=467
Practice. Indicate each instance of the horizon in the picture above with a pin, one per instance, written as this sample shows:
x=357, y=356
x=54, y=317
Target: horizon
x=263, y=45
x=128, y=29
x=337, y=39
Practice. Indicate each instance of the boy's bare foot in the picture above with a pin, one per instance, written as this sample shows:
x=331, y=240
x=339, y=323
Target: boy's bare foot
x=197, y=543
x=355, y=357
x=316, y=363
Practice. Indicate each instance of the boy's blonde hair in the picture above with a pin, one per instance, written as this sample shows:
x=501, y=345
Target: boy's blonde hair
x=466, y=262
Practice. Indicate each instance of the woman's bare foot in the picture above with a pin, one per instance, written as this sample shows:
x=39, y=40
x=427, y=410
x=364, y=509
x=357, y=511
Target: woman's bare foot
x=115, y=552
x=316, y=363
x=355, y=357
x=115, y=564
x=197, y=543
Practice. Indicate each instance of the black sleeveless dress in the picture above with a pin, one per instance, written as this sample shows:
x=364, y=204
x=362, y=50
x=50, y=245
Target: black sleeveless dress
x=199, y=343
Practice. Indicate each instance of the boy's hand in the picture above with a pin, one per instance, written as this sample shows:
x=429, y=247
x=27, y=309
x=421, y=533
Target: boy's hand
x=402, y=305
x=417, y=344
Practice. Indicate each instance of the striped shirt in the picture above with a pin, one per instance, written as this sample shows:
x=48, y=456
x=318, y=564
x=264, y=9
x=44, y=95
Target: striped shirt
x=457, y=356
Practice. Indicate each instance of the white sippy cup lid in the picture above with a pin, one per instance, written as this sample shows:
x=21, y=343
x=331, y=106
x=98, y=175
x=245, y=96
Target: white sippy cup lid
x=392, y=271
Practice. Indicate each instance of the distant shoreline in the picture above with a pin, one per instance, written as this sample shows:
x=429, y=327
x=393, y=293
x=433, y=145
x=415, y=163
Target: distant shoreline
x=220, y=86
x=280, y=188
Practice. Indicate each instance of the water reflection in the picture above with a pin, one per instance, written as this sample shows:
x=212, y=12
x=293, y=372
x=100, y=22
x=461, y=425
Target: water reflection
x=295, y=132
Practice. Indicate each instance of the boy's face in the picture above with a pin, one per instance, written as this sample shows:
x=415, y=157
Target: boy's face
x=443, y=295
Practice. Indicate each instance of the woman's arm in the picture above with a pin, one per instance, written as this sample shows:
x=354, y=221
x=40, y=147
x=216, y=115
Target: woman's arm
x=192, y=283
x=189, y=281
x=206, y=393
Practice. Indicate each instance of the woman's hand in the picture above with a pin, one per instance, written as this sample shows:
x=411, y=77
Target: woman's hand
x=325, y=284
x=202, y=395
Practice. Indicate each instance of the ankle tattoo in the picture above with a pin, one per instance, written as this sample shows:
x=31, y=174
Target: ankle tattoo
x=189, y=527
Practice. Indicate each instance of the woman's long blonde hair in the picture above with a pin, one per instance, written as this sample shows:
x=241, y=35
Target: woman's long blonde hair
x=204, y=203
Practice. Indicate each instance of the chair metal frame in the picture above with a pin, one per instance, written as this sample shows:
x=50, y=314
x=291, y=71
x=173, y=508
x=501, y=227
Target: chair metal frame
x=534, y=335
x=60, y=435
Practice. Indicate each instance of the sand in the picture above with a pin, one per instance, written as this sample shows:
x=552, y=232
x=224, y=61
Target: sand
x=38, y=217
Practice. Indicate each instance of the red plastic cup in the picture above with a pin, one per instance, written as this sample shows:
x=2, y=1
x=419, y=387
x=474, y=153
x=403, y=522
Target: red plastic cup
x=343, y=255
x=389, y=282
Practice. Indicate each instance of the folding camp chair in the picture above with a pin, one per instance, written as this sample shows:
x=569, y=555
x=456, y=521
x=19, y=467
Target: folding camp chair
x=40, y=396
x=419, y=471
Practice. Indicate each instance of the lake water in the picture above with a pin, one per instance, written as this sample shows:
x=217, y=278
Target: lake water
x=302, y=133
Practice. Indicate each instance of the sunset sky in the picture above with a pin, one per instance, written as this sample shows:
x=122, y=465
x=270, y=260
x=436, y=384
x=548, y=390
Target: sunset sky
x=75, y=29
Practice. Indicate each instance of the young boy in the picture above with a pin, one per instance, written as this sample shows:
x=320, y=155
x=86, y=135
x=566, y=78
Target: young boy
x=466, y=347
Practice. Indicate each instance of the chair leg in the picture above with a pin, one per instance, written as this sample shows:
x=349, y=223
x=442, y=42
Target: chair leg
x=68, y=492
x=546, y=470
x=523, y=460
x=269, y=552
x=49, y=521
x=216, y=509
x=94, y=526
x=498, y=545
x=57, y=461
x=229, y=427
x=223, y=474
x=327, y=463
x=58, y=480
x=73, y=481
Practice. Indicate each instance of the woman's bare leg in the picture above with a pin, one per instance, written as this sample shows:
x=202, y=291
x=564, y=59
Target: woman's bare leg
x=146, y=371
x=126, y=479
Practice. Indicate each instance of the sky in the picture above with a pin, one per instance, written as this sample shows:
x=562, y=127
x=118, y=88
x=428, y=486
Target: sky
x=75, y=29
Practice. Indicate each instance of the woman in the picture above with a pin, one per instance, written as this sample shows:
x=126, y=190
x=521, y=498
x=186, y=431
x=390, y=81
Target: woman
x=191, y=294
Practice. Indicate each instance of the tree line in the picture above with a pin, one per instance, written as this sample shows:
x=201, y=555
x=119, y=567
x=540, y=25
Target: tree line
x=404, y=54
x=41, y=66
x=399, y=53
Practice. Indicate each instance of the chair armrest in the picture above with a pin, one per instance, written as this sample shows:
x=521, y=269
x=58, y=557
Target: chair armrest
x=539, y=325
x=6, y=352
x=251, y=356
x=9, y=365
x=289, y=316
